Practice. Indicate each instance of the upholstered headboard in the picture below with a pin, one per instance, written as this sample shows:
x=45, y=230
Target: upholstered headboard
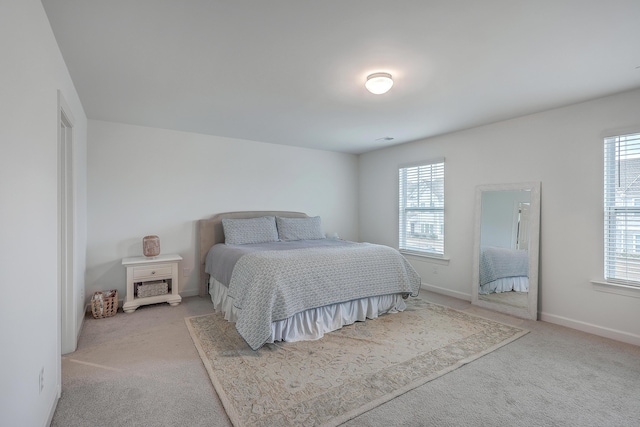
x=210, y=232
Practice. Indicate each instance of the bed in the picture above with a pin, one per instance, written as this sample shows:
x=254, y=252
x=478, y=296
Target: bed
x=278, y=278
x=503, y=270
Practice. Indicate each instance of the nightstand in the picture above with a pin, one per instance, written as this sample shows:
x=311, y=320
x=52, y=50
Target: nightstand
x=151, y=271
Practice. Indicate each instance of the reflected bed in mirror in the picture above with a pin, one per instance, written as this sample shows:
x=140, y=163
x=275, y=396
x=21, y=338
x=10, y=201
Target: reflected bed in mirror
x=506, y=245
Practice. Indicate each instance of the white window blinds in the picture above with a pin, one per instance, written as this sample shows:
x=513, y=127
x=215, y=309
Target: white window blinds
x=421, y=206
x=622, y=209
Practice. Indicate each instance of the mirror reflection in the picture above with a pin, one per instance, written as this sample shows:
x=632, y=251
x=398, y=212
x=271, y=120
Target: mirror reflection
x=506, y=248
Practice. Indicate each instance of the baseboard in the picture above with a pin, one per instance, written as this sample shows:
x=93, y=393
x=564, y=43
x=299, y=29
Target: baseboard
x=184, y=294
x=190, y=293
x=590, y=328
x=54, y=405
x=445, y=291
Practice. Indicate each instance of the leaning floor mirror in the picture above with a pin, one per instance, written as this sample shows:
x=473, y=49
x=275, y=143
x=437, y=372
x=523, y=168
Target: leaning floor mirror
x=506, y=248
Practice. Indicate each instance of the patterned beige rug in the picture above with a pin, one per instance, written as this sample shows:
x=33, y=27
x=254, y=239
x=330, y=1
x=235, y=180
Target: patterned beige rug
x=346, y=373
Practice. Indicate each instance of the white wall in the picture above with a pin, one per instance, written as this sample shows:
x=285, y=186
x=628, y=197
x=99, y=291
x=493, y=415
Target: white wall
x=145, y=181
x=562, y=148
x=499, y=219
x=32, y=72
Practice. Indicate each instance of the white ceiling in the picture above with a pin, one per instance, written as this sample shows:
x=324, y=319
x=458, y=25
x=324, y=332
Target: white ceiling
x=292, y=71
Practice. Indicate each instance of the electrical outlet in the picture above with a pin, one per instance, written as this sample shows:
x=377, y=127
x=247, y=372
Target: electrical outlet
x=435, y=270
x=41, y=379
x=186, y=272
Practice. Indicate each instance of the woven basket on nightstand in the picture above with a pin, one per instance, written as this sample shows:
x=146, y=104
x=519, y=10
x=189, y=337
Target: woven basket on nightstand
x=152, y=289
x=104, y=304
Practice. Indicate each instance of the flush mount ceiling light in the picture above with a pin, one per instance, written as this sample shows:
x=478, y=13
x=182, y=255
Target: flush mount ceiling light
x=379, y=83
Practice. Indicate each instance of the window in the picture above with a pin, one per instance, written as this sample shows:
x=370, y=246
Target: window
x=421, y=206
x=621, y=209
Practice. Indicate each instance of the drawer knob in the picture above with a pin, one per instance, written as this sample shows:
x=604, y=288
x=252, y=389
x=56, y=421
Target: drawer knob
x=153, y=272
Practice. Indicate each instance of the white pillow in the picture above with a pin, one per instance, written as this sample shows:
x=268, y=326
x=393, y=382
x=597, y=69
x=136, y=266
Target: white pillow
x=299, y=228
x=251, y=230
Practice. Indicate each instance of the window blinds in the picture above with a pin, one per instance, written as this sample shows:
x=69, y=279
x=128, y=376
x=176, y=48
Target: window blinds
x=622, y=209
x=421, y=208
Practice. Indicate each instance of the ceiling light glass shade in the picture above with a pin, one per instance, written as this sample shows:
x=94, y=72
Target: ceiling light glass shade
x=379, y=83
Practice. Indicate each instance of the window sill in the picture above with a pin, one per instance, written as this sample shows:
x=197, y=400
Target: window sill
x=426, y=257
x=616, y=288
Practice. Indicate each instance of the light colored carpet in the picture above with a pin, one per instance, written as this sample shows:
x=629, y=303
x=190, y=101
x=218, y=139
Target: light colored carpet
x=346, y=373
x=142, y=369
x=514, y=299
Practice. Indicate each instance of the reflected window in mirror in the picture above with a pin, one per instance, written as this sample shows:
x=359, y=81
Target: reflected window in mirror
x=622, y=209
x=421, y=208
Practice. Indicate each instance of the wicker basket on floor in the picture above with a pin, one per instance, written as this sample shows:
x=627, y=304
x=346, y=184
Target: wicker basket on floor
x=104, y=304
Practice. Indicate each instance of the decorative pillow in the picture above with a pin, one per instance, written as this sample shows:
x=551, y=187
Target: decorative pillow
x=251, y=230
x=299, y=228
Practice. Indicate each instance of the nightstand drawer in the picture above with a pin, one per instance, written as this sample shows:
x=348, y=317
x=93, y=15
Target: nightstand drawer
x=152, y=271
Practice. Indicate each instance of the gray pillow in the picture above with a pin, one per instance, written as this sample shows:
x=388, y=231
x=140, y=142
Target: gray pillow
x=251, y=230
x=299, y=228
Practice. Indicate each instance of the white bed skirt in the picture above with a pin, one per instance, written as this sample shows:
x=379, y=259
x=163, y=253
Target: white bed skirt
x=506, y=284
x=313, y=324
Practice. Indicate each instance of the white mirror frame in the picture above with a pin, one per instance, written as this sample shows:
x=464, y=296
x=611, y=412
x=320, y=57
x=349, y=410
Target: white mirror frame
x=531, y=312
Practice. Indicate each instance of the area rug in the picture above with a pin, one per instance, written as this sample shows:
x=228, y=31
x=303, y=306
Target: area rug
x=347, y=372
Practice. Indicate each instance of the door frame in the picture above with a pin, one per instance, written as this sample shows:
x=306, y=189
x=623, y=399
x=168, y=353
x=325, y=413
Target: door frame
x=66, y=228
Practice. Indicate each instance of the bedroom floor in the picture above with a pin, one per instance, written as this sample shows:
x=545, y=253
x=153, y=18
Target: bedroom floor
x=143, y=369
x=513, y=298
